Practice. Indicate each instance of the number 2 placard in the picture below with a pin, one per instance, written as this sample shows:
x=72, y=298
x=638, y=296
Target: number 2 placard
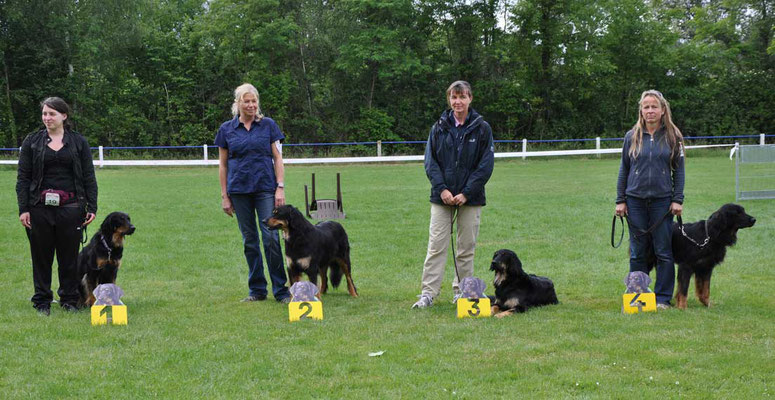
x=300, y=310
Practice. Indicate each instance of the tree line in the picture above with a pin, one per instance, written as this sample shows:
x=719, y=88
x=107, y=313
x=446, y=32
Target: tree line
x=162, y=72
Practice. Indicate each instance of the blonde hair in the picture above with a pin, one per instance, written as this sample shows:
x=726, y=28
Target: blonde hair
x=239, y=94
x=673, y=135
x=459, y=87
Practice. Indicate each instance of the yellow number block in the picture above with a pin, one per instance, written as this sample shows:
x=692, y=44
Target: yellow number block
x=99, y=315
x=473, y=307
x=633, y=303
x=299, y=310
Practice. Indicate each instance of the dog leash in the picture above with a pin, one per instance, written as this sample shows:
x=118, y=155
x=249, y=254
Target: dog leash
x=640, y=231
x=452, y=241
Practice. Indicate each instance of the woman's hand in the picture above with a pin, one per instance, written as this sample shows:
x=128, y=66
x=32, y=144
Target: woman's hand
x=676, y=209
x=25, y=220
x=459, y=199
x=279, y=197
x=226, y=205
x=621, y=210
x=446, y=197
x=89, y=218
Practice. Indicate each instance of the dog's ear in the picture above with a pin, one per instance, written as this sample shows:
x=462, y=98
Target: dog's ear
x=718, y=221
x=515, y=265
x=107, y=226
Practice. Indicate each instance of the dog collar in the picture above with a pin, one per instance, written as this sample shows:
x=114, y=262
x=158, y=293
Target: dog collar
x=704, y=242
x=104, y=243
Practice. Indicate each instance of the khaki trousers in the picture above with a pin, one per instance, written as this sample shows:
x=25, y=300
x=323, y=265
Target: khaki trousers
x=467, y=224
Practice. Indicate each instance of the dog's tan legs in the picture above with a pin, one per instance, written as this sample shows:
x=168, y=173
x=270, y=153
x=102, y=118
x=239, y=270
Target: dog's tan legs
x=682, y=289
x=323, y=279
x=504, y=314
x=345, y=266
x=702, y=286
x=494, y=310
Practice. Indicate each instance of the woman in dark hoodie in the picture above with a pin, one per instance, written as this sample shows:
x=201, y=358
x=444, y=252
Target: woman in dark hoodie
x=56, y=192
x=650, y=188
x=459, y=159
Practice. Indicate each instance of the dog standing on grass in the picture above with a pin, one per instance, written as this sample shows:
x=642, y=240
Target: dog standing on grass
x=99, y=261
x=702, y=249
x=313, y=249
x=515, y=290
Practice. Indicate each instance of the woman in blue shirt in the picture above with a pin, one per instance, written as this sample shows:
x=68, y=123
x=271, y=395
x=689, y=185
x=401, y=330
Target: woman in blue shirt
x=251, y=175
x=650, y=187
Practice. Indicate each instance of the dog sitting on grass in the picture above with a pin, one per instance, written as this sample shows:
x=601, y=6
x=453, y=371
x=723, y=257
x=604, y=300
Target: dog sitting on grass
x=99, y=261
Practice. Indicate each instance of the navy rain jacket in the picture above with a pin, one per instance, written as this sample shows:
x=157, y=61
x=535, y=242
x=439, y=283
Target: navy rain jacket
x=460, y=159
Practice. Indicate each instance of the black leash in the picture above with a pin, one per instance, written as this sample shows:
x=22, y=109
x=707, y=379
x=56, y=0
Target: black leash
x=452, y=241
x=640, y=231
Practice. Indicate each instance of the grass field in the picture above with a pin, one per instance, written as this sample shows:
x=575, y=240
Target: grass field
x=189, y=336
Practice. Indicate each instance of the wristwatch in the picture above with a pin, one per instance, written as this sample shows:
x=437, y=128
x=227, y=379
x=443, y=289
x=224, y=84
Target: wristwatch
x=280, y=184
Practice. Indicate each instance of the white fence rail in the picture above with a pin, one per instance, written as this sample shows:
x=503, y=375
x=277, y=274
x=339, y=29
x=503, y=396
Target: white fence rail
x=101, y=161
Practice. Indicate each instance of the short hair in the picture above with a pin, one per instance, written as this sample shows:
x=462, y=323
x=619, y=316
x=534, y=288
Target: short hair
x=59, y=106
x=239, y=93
x=459, y=87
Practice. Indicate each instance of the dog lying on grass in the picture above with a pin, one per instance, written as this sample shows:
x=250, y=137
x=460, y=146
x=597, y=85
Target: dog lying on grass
x=515, y=290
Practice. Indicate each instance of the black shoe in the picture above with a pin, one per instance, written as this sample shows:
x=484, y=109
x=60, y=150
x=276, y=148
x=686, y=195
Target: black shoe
x=43, y=309
x=70, y=307
x=284, y=300
x=260, y=297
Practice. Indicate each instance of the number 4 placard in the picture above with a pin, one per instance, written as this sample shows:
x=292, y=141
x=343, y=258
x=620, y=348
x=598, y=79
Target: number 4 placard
x=473, y=307
x=633, y=303
x=299, y=310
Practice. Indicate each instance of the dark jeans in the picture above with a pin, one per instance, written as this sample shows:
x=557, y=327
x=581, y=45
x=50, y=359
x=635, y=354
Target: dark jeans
x=246, y=206
x=55, y=230
x=643, y=214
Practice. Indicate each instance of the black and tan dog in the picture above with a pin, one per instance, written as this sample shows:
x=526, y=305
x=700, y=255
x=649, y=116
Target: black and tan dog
x=99, y=261
x=515, y=290
x=313, y=249
x=703, y=248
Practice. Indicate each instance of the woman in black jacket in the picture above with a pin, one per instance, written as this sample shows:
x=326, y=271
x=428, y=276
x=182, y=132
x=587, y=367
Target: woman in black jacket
x=650, y=188
x=459, y=158
x=57, y=195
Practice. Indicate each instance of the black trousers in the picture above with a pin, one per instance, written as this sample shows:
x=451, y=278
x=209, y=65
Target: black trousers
x=55, y=230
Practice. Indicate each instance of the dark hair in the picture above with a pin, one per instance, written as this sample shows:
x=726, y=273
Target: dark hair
x=60, y=106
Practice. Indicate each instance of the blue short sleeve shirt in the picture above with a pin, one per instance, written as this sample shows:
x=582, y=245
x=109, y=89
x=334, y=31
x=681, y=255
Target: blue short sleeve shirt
x=250, y=164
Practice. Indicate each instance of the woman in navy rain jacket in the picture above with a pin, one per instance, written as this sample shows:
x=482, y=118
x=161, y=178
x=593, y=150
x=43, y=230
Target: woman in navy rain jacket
x=459, y=159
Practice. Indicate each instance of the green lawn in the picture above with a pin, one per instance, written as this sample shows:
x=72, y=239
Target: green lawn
x=189, y=336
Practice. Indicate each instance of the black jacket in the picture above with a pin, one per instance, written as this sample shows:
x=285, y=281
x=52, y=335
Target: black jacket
x=30, y=170
x=460, y=159
x=652, y=174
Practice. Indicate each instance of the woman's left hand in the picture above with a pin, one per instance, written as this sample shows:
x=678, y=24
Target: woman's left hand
x=89, y=218
x=279, y=197
x=676, y=209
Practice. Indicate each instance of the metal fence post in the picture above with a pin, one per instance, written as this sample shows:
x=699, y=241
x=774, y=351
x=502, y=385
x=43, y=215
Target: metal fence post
x=761, y=139
x=524, y=149
x=102, y=157
x=379, y=148
x=205, y=149
x=597, y=146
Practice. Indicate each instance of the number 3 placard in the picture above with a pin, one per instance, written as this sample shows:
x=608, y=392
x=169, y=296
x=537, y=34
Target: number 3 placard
x=473, y=307
x=299, y=310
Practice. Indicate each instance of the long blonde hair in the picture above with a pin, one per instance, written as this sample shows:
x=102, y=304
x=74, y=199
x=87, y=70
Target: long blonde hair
x=239, y=93
x=672, y=133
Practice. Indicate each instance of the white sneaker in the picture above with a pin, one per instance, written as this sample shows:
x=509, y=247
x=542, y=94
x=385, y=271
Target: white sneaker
x=457, y=297
x=425, y=301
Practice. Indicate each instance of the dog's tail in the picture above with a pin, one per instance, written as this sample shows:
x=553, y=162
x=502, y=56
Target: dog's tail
x=336, y=274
